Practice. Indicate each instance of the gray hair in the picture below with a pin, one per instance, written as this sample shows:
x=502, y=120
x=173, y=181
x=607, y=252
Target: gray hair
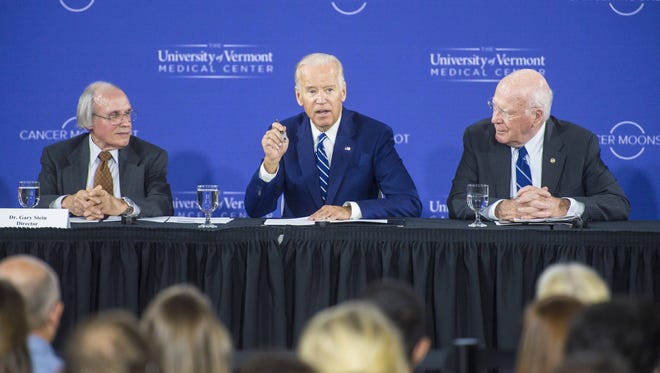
x=37, y=282
x=541, y=96
x=86, y=102
x=316, y=59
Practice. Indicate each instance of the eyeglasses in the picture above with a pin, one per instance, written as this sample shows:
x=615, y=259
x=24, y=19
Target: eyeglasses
x=116, y=118
x=505, y=114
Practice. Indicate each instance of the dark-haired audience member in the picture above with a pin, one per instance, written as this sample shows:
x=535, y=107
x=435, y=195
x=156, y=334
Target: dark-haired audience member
x=593, y=362
x=353, y=337
x=187, y=335
x=625, y=326
x=275, y=362
x=110, y=342
x=14, y=355
x=545, y=326
x=40, y=287
x=405, y=309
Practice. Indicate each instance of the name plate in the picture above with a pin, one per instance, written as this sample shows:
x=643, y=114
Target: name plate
x=34, y=218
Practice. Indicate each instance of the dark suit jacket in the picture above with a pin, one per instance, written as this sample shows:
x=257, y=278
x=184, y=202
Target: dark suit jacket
x=572, y=167
x=142, y=173
x=364, y=162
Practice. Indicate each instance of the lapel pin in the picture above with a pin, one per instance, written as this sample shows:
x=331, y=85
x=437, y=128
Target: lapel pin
x=553, y=160
x=348, y=148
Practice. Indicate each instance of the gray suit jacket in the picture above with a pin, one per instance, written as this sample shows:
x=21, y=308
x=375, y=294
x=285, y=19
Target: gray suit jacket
x=572, y=167
x=142, y=173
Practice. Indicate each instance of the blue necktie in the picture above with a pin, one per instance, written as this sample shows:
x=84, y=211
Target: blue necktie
x=323, y=165
x=523, y=173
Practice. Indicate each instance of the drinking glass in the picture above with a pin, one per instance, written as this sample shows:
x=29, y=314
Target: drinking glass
x=207, y=200
x=477, y=200
x=28, y=193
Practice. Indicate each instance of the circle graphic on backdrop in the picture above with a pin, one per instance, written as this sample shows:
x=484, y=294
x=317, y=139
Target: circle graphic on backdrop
x=346, y=12
x=627, y=136
x=74, y=9
x=626, y=14
x=72, y=119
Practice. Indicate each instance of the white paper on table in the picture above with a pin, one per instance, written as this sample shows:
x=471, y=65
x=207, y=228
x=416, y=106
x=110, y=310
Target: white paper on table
x=197, y=220
x=295, y=221
x=561, y=219
x=156, y=219
x=305, y=221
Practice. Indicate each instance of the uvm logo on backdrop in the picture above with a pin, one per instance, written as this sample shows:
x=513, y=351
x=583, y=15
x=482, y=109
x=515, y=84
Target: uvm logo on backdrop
x=484, y=64
x=627, y=140
x=348, y=7
x=215, y=61
x=76, y=6
x=230, y=205
x=624, y=8
x=67, y=130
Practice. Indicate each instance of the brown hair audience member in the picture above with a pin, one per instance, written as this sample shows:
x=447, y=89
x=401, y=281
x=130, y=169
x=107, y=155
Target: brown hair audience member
x=186, y=333
x=109, y=342
x=572, y=279
x=14, y=355
x=545, y=326
x=353, y=337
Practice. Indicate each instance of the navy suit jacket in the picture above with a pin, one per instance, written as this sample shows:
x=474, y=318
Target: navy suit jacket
x=572, y=167
x=142, y=173
x=364, y=163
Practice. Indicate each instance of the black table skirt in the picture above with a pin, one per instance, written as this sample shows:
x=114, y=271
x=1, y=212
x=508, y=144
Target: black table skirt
x=266, y=281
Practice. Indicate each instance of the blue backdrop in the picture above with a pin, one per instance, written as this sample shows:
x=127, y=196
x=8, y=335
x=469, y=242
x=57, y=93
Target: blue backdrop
x=208, y=76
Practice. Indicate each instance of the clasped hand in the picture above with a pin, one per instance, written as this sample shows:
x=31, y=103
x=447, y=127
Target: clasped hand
x=532, y=203
x=94, y=204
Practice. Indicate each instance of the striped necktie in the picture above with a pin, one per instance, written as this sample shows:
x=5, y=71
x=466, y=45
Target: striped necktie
x=103, y=177
x=523, y=173
x=323, y=165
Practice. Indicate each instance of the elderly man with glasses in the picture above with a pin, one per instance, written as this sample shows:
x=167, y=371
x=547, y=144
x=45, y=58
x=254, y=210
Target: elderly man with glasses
x=536, y=165
x=106, y=171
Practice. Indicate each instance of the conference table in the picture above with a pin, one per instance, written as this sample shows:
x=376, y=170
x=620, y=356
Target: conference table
x=266, y=281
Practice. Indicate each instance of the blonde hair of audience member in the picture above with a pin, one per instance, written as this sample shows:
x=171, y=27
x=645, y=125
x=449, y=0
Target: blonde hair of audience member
x=545, y=328
x=572, y=279
x=14, y=331
x=109, y=342
x=353, y=337
x=186, y=332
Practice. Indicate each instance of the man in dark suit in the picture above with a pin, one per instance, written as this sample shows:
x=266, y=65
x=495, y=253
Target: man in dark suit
x=136, y=171
x=358, y=151
x=568, y=176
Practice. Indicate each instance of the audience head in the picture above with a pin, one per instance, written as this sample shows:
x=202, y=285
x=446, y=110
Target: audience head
x=275, y=362
x=405, y=309
x=40, y=287
x=593, y=362
x=572, y=279
x=521, y=104
x=321, y=88
x=14, y=331
x=186, y=333
x=109, y=342
x=545, y=327
x=353, y=337
x=628, y=327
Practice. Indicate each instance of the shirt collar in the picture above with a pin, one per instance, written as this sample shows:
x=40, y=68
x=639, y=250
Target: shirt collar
x=94, y=152
x=331, y=133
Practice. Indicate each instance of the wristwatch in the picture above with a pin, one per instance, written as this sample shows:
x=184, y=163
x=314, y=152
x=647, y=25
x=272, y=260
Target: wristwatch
x=131, y=207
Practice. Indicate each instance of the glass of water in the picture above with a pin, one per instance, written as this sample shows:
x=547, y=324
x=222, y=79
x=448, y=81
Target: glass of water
x=207, y=200
x=28, y=193
x=477, y=200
